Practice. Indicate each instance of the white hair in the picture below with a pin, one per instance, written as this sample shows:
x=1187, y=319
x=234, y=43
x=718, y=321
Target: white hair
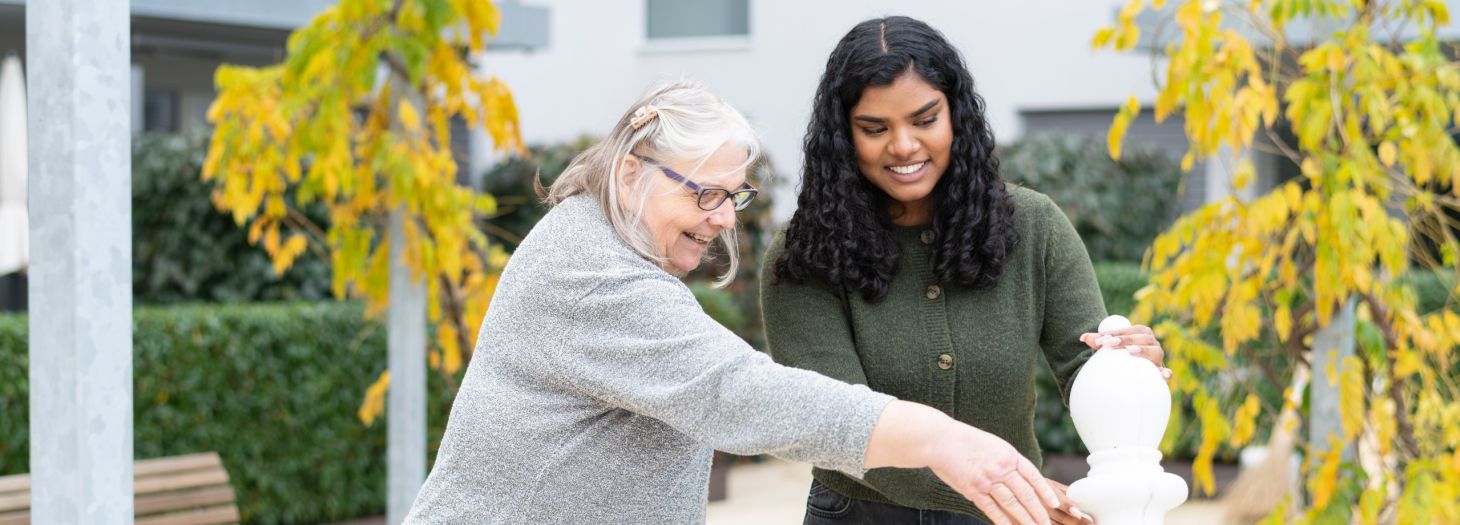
x=691, y=125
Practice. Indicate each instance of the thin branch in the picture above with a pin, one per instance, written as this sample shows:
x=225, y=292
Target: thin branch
x=1401, y=414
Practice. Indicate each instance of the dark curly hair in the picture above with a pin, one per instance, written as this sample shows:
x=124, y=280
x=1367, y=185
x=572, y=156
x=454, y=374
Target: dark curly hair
x=842, y=231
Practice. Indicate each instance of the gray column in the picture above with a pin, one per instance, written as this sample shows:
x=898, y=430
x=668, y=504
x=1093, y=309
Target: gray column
x=1323, y=413
x=78, y=54
x=405, y=409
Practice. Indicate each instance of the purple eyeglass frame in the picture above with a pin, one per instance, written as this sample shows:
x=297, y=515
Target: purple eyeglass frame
x=701, y=191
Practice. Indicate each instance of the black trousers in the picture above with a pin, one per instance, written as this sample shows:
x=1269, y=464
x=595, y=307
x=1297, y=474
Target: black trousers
x=826, y=507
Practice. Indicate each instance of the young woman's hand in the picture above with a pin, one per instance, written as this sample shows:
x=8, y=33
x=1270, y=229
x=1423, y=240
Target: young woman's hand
x=1139, y=340
x=1067, y=513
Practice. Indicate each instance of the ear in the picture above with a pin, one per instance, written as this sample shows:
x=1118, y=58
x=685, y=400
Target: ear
x=629, y=168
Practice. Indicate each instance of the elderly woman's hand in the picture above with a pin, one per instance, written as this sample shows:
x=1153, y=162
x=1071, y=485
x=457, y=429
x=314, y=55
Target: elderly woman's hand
x=1139, y=340
x=994, y=476
x=978, y=465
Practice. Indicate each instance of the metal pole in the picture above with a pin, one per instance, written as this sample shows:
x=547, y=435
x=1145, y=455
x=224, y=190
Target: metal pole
x=405, y=409
x=78, y=53
x=1331, y=344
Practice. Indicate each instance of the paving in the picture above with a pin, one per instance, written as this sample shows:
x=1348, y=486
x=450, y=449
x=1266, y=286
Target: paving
x=774, y=492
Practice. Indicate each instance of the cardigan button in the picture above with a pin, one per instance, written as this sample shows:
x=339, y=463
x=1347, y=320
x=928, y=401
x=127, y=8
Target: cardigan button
x=945, y=362
x=927, y=237
x=935, y=291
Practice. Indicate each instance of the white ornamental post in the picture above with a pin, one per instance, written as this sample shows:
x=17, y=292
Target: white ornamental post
x=1120, y=405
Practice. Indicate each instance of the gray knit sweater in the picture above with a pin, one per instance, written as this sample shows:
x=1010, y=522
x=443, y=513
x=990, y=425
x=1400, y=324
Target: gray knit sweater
x=599, y=387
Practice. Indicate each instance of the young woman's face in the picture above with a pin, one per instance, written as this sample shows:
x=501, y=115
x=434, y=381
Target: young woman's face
x=680, y=230
x=902, y=134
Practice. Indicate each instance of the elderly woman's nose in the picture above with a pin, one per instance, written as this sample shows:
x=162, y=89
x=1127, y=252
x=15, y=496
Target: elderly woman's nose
x=724, y=216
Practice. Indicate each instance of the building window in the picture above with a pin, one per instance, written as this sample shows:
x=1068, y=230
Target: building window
x=160, y=110
x=678, y=19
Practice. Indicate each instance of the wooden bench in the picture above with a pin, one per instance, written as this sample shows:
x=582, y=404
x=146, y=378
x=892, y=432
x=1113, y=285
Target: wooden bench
x=177, y=490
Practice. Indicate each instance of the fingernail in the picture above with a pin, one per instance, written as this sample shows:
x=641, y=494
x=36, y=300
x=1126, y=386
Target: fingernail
x=1078, y=513
x=1166, y=373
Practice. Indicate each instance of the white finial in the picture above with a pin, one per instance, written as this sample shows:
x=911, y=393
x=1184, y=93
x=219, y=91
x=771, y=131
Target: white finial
x=1114, y=322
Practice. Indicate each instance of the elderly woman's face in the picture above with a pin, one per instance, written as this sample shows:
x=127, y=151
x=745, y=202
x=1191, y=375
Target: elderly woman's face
x=681, y=231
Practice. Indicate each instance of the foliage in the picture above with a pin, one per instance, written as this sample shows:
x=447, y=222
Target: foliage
x=322, y=128
x=1108, y=200
x=184, y=251
x=1372, y=106
x=272, y=388
x=513, y=180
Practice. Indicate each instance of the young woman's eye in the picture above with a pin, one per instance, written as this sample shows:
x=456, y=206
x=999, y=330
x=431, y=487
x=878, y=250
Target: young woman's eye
x=927, y=121
x=873, y=131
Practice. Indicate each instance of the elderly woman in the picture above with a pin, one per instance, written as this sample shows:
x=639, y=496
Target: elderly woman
x=599, y=387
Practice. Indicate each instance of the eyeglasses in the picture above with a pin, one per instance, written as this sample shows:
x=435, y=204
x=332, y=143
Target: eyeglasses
x=709, y=198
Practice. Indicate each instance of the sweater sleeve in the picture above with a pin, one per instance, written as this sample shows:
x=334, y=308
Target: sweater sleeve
x=1072, y=301
x=642, y=343
x=806, y=324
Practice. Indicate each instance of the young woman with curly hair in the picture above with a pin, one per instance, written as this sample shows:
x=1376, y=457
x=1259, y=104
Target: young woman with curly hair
x=909, y=266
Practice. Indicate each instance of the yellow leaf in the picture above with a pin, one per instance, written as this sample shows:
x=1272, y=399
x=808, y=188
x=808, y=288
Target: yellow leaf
x=255, y=231
x=1439, y=10
x=1246, y=421
x=1384, y=424
x=1244, y=175
x=1102, y=37
x=1129, y=11
x=1351, y=397
x=450, y=348
x=1370, y=503
x=291, y=250
x=1326, y=478
x=1407, y=363
x=1127, y=37
x=1118, y=127
x=374, y=403
x=1387, y=152
x=1282, y=321
x=271, y=239
x=409, y=116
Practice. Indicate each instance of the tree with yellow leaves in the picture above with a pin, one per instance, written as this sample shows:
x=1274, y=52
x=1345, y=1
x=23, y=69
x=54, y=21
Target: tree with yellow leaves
x=1238, y=287
x=357, y=118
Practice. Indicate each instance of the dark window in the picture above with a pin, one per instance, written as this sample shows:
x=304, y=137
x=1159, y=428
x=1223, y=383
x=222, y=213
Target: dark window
x=698, y=18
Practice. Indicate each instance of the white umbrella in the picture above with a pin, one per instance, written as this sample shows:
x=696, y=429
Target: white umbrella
x=14, y=228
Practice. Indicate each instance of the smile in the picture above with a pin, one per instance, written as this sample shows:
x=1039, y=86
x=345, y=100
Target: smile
x=702, y=239
x=908, y=169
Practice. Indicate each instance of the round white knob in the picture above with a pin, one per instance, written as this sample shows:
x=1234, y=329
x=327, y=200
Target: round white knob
x=1114, y=322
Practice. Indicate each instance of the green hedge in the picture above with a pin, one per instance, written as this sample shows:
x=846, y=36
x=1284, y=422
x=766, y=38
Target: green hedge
x=1113, y=204
x=273, y=388
x=184, y=250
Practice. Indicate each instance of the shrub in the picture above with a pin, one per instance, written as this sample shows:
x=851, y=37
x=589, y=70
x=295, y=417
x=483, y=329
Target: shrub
x=184, y=250
x=1117, y=206
x=273, y=388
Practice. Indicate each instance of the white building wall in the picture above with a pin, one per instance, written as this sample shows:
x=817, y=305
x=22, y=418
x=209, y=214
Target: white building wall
x=1024, y=54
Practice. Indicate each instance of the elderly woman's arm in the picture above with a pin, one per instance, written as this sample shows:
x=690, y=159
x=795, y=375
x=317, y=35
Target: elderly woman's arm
x=640, y=342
